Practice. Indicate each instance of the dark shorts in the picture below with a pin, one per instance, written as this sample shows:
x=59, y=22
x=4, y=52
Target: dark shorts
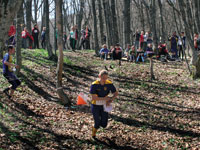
x=117, y=56
x=12, y=79
x=99, y=115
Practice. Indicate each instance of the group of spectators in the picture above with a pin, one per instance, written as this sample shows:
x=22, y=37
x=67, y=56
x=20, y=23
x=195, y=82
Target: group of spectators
x=143, y=40
x=73, y=38
x=143, y=47
x=131, y=53
x=29, y=40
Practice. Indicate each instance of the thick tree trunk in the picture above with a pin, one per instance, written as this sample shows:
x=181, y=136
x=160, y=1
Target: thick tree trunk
x=8, y=11
x=59, y=21
x=197, y=69
x=96, y=44
x=114, y=24
x=79, y=21
x=101, y=23
x=108, y=22
x=197, y=11
x=19, y=41
x=162, y=21
x=141, y=11
x=189, y=34
x=127, y=19
x=49, y=47
x=35, y=10
x=154, y=27
x=28, y=15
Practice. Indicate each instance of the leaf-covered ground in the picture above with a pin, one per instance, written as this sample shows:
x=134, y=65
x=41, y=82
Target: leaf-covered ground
x=162, y=114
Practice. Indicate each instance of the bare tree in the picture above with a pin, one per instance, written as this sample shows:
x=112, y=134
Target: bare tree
x=162, y=21
x=127, y=29
x=28, y=5
x=95, y=27
x=20, y=15
x=49, y=47
x=101, y=22
x=107, y=21
x=59, y=21
x=114, y=23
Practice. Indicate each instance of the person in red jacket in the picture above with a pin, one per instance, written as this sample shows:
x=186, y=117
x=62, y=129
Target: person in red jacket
x=141, y=39
x=26, y=38
x=11, y=35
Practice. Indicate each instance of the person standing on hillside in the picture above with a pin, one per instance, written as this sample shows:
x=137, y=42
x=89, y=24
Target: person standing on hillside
x=137, y=39
x=11, y=34
x=82, y=39
x=43, y=38
x=72, y=38
x=100, y=90
x=174, y=43
x=181, y=45
x=35, y=34
x=87, y=37
x=8, y=68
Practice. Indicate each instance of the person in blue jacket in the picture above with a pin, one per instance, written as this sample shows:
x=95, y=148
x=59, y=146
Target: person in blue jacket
x=8, y=72
x=104, y=52
x=100, y=90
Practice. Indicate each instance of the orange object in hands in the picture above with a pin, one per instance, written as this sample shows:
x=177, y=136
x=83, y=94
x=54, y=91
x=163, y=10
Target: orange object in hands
x=82, y=99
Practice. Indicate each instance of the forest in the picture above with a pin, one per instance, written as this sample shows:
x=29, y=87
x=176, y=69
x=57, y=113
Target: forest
x=99, y=74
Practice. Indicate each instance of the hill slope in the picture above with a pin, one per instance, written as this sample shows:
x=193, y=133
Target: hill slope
x=163, y=114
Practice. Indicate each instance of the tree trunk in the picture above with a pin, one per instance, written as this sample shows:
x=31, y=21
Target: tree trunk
x=154, y=28
x=101, y=23
x=35, y=10
x=59, y=21
x=197, y=11
x=151, y=69
x=162, y=21
x=28, y=15
x=108, y=22
x=79, y=21
x=189, y=33
x=9, y=9
x=19, y=41
x=197, y=69
x=114, y=24
x=141, y=11
x=127, y=23
x=55, y=33
x=49, y=47
x=96, y=44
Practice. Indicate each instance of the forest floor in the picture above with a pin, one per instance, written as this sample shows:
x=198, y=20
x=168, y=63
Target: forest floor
x=159, y=114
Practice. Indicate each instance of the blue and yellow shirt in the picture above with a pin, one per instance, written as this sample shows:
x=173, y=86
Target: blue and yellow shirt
x=6, y=68
x=102, y=90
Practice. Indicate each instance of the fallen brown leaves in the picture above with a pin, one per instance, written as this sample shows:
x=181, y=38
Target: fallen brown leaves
x=160, y=114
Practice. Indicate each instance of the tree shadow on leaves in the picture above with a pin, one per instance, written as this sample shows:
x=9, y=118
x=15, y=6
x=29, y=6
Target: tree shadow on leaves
x=136, y=123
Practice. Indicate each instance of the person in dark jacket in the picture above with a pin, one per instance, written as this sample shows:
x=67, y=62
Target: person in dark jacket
x=174, y=43
x=35, y=34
